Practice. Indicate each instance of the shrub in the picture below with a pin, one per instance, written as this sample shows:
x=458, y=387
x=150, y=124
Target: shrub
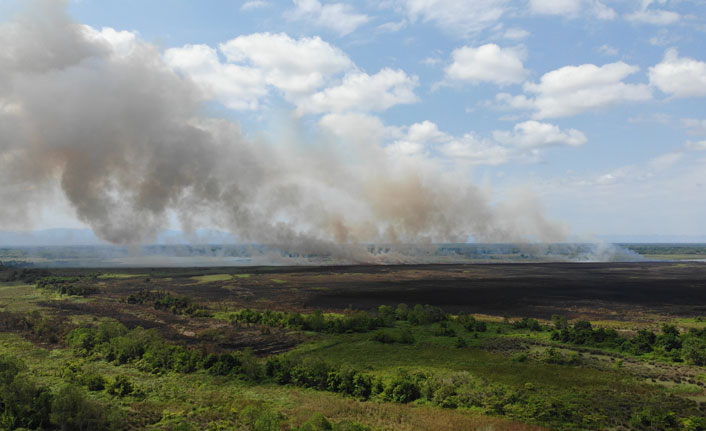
x=528, y=323
x=694, y=350
x=94, y=382
x=317, y=422
x=257, y=418
x=402, y=389
x=71, y=410
x=121, y=387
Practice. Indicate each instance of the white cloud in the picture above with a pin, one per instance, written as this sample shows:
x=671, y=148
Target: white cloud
x=254, y=4
x=462, y=17
x=476, y=151
x=516, y=33
x=121, y=43
x=425, y=140
x=555, y=7
x=533, y=134
x=488, y=63
x=417, y=140
x=360, y=91
x=571, y=90
x=339, y=17
x=294, y=66
x=572, y=8
x=237, y=87
x=655, y=17
x=392, y=26
x=679, y=76
x=696, y=146
x=646, y=15
x=358, y=128
x=694, y=126
x=608, y=50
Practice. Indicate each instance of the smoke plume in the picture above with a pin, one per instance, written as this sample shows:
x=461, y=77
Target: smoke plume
x=100, y=114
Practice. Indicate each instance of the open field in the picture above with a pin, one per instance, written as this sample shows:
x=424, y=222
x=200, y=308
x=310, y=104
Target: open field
x=490, y=351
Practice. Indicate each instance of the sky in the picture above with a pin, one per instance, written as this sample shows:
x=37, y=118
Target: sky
x=595, y=108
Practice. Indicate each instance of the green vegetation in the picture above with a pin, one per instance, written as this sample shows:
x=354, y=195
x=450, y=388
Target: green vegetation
x=212, y=277
x=155, y=365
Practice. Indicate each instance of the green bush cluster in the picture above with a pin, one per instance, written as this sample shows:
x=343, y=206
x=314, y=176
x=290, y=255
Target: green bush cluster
x=27, y=275
x=112, y=341
x=26, y=405
x=162, y=300
x=671, y=344
x=66, y=286
x=320, y=375
x=528, y=323
x=390, y=336
x=470, y=323
x=358, y=321
x=355, y=321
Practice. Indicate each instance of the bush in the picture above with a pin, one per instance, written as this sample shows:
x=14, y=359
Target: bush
x=94, y=382
x=385, y=337
x=121, y=387
x=402, y=389
x=71, y=411
x=317, y=422
x=694, y=350
x=258, y=418
x=528, y=323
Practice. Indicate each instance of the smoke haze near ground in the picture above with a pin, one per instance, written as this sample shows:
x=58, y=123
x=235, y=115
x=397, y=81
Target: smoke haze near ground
x=100, y=114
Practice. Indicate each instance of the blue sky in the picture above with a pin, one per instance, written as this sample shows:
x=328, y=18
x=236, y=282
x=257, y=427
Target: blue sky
x=597, y=108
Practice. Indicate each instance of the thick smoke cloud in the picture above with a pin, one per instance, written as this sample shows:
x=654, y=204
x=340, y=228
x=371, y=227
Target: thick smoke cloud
x=101, y=114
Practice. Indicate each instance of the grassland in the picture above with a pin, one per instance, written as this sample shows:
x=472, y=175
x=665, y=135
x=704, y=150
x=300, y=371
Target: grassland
x=259, y=350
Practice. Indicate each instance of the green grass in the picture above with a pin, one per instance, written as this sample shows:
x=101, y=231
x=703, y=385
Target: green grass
x=277, y=280
x=242, y=275
x=211, y=278
x=20, y=298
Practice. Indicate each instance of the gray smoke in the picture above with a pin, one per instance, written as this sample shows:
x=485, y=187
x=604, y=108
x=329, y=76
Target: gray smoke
x=122, y=135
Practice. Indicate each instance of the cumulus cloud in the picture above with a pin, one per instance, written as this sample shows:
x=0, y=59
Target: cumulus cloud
x=416, y=140
x=292, y=65
x=360, y=91
x=486, y=63
x=476, y=151
x=313, y=75
x=339, y=17
x=237, y=87
x=533, y=134
x=461, y=17
x=571, y=90
x=679, y=76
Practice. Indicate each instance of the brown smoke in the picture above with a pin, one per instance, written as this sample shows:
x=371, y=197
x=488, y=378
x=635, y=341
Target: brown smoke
x=122, y=135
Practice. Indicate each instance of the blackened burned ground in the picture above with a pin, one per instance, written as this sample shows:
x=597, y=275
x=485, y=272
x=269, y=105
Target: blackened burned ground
x=605, y=290
x=595, y=291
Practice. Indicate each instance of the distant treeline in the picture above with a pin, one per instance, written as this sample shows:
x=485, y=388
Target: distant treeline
x=666, y=249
